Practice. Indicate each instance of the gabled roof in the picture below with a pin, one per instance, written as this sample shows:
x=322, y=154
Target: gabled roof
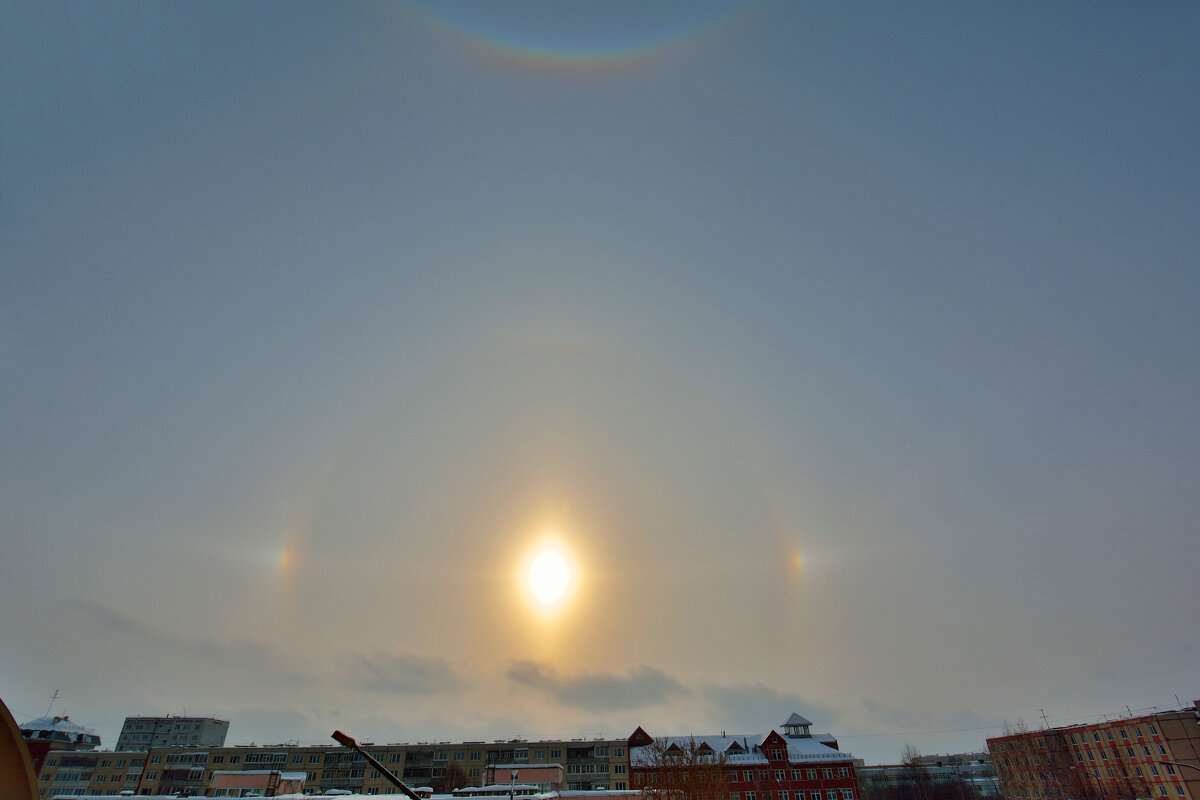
x=745, y=749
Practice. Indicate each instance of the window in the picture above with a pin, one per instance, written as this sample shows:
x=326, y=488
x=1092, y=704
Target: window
x=776, y=755
x=156, y=759
x=1109, y=735
x=315, y=758
x=1073, y=739
x=475, y=755
x=799, y=795
x=619, y=752
x=779, y=775
x=1162, y=751
x=732, y=776
x=556, y=753
x=1129, y=752
x=1145, y=750
x=1124, y=733
x=847, y=794
x=831, y=794
x=1179, y=790
x=747, y=776
x=812, y=774
x=1153, y=769
x=827, y=773
x=1162, y=791
x=796, y=775
x=783, y=794
x=1170, y=768
x=1153, y=730
x=843, y=772
x=1103, y=755
x=735, y=796
x=749, y=795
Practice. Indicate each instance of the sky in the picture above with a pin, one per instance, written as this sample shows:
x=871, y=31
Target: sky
x=847, y=352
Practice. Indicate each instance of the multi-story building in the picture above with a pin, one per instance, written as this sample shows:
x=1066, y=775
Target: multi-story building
x=55, y=733
x=139, y=734
x=794, y=765
x=963, y=776
x=1142, y=756
x=441, y=766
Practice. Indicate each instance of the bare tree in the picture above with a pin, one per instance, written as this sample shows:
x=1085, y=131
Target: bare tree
x=682, y=770
x=455, y=778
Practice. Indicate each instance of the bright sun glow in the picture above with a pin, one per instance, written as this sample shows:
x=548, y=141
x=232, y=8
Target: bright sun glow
x=549, y=577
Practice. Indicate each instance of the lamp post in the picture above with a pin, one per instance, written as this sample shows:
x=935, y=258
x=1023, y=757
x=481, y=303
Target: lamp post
x=512, y=784
x=1179, y=764
x=348, y=741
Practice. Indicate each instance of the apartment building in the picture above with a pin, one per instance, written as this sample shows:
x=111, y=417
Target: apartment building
x=139, y=734
x=586, y=764
x=1148, y=756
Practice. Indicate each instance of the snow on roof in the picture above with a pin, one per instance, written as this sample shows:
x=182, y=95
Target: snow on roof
x=796, y=719
x=806, y=749
x=62, y=724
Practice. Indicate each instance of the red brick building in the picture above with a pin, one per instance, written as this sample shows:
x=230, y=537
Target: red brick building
x=1155, y=756
x=794, y=765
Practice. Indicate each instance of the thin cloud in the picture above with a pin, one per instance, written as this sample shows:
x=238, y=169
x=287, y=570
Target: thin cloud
x=640, y=686
x=756, y=707
x=404, y=674
x=100, y=616
x=168, y=650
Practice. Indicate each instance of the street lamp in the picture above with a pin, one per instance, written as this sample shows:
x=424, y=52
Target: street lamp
x=1179, y=764
x=348, y=741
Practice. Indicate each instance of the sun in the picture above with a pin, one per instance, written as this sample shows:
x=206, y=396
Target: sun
x=548, y=577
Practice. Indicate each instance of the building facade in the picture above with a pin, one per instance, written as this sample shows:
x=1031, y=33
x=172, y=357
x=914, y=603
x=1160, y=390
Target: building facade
x=585, y=765
x=794, y=765
x=139, y=734
x=1148, y=757
x=44, y=734
x=961, y=776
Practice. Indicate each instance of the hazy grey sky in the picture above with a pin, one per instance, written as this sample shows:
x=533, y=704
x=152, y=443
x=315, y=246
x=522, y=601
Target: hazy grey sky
x=850, y=350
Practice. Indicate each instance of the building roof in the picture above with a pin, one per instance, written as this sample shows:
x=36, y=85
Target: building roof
x=743, y=749
x=796, y=719
x=59, y=729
